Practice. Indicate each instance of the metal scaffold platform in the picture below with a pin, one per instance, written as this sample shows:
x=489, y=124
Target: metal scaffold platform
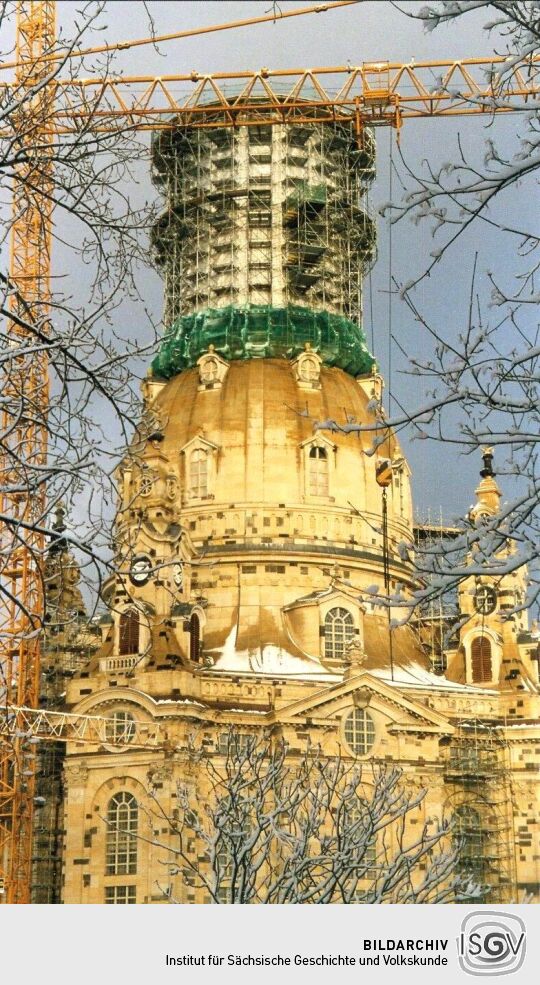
x=476, y=771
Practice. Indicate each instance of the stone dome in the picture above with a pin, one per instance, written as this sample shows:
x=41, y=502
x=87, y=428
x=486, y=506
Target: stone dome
x=283, y=520
x=257, y=427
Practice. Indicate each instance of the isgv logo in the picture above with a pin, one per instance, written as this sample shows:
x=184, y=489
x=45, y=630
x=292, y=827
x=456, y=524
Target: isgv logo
x=491, y=943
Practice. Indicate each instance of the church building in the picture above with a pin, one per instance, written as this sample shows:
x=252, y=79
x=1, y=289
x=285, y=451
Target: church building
x=255, y=544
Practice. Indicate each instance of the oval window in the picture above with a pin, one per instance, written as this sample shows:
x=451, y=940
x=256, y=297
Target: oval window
x=359, y=732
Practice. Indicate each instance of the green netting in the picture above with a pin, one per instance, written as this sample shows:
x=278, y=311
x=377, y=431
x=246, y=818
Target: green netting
x=305, y=194
x=257, y=331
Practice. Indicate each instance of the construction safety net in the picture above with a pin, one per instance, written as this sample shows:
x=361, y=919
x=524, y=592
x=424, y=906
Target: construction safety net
x=261, y=331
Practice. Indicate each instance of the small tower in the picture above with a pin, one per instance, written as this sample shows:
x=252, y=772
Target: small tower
x=488, y=494
x=495, y=645
x=68, y=639
x=67, y=644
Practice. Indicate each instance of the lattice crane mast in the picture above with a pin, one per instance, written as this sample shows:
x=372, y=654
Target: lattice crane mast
x=24, y=442
x=371, y=94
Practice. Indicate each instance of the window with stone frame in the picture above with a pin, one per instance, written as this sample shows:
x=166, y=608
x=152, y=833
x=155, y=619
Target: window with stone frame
x=359, y=732
x=481, y=669
x=358, y=825
x=198, y=473
x=120, y=894
x=470, y=839
x=338, y=633
x=318, y=471
x=128, y=636
x=235, y=744
x=195, y=638
x=120, y=728
x=122, y=829
x=228, y=854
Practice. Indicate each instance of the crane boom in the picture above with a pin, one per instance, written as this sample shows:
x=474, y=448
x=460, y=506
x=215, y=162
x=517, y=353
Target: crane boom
x=60, y=726
x=375, y=93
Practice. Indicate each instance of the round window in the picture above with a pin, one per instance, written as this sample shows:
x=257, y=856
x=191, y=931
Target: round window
x=120, y=728
x=359, y=732
x=485, y=600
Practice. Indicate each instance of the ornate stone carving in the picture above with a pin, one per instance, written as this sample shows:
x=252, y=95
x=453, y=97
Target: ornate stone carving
x=355, y=654
x=212, y=369
x=76, y=774
x=171, y=484
x=307, y=369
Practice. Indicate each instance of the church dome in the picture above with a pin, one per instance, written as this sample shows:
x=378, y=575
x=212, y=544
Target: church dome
x=249, y=443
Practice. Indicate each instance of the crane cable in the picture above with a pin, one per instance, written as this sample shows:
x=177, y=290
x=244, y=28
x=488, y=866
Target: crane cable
x=386, y=546
x=390, y=270
x=319, y=8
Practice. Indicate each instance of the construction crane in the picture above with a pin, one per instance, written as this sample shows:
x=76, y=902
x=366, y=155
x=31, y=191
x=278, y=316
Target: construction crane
x=61, y=726
x=22, y=598
x=372, y=94
x=24, y=730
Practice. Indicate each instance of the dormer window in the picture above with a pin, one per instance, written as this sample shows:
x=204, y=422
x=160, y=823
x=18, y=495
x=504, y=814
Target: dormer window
x=338, y=633
x=307, y=369
x=482, y=649
x=318, y=472
x=199, y=468
x=319, y=464
x=199, y=473
x=212, y=370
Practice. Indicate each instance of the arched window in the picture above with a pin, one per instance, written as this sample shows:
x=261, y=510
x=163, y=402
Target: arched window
x=122, y=824
x=194, y=638
x=481, y=660
x=199, y=473
x=358, y=828
x=338, y=632
x=470, y=838
x=234, y=830
x=318, y=471
x=129, y=632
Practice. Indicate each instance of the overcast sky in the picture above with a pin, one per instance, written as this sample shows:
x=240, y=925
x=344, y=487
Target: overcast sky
x=371, y=31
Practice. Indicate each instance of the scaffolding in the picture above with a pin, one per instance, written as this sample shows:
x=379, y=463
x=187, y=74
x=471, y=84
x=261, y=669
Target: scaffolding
x=68, y=643
x=436, y=618
x=262, y=219
x=477, y=774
